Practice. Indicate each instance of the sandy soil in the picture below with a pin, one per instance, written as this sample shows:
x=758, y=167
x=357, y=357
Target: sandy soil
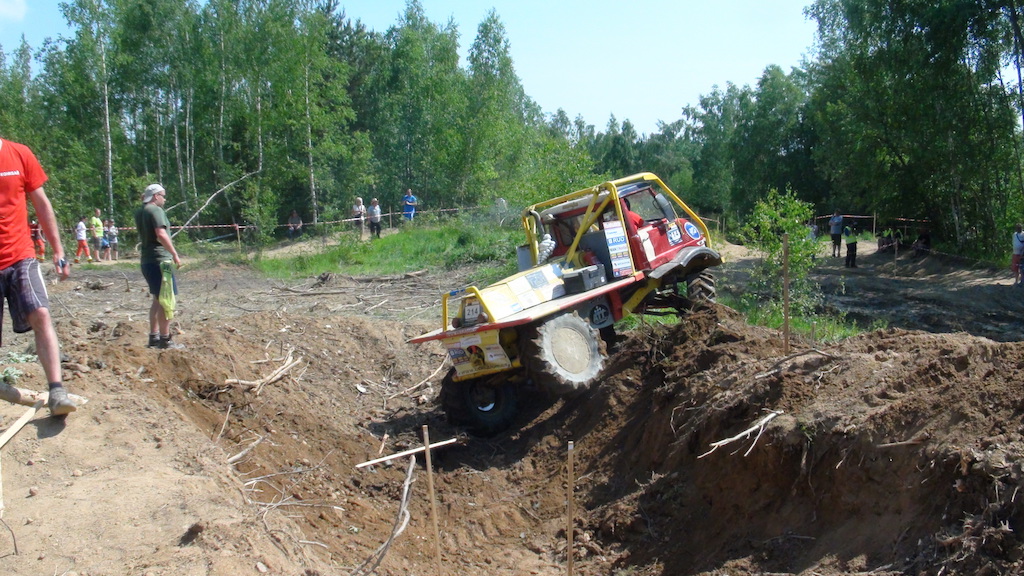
x=894, y=452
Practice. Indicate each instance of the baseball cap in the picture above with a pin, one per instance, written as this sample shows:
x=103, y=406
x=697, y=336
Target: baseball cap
x=151, y=190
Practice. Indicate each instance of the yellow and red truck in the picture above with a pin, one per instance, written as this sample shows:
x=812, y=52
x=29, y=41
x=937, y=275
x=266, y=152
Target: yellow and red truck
x=592, y=257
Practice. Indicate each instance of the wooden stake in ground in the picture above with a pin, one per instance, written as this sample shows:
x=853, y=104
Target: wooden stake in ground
x=20, y=423
x=571, y=513
x=433, y=502
x=785, y=293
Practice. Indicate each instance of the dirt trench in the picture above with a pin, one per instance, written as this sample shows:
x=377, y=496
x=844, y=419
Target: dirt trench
x=895, y=452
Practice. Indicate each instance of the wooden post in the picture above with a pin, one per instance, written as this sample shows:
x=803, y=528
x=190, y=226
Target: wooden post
x=433, y=504
x=895, y=253
x=785, y=293
x=570, y=528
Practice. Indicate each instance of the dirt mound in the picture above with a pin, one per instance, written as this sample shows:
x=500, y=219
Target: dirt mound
x=893, y=452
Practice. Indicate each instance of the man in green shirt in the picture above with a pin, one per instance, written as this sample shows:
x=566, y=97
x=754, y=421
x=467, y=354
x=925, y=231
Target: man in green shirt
x=156, y=247
x=96, y=238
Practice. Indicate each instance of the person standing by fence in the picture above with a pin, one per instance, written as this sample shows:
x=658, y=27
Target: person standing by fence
x=359, y=215
x=82, y=237
x=374, y=215
x=1018, y=255
x=851, y=245
x=37, y=240
x=112, y=242
x=96, y=235
x=294, y=225
x=835, y=228
x=409, y=203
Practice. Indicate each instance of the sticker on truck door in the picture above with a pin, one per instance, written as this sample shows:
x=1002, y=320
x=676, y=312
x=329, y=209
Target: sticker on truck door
x=674, y=235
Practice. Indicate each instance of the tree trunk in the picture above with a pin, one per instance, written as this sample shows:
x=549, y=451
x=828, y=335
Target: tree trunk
x=309, y=153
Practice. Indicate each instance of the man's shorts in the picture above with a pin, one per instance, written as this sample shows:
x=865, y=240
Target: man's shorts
x=96, y=242
x=154, y=277
x=1015, y=263
x=22, y=286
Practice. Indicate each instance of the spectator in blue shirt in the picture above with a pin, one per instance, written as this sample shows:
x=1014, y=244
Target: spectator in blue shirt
x=408, y=205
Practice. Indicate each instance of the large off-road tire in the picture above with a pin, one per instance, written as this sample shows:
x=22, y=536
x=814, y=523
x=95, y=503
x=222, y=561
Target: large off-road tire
x=565, y=355
x=485, y=406
x=700, y=288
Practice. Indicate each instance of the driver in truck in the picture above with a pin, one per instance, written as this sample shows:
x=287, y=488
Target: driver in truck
x=633, y=217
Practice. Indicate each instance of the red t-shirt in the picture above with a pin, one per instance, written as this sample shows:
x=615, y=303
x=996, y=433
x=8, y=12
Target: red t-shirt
x=20, y=173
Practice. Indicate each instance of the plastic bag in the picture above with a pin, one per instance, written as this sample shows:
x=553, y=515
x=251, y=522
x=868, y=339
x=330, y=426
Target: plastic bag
x=166, y=298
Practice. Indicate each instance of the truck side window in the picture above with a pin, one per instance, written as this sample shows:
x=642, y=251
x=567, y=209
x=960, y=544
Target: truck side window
x=643, y=203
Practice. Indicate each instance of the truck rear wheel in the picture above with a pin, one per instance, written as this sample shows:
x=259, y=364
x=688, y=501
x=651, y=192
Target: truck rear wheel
x=566, y=354
x=484, y=405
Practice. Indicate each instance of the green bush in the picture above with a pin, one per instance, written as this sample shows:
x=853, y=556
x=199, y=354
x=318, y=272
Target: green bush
x=771, y=220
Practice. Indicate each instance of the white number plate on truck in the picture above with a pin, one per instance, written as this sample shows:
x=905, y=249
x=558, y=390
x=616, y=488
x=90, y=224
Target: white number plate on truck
x=674, y=235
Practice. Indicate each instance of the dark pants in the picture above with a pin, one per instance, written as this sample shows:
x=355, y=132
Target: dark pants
x=836, y=240
x=374, y=228
x=851, y=254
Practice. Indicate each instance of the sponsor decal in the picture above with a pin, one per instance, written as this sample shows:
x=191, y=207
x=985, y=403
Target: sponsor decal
x=599, y=315
x=692, y=230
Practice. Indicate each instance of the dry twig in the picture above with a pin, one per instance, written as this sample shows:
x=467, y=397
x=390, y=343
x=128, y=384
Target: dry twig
x=778, y=365
x=257, y=385
x=245, y=452
x=759, y=426
x=370, y=564
x=916, y=439
x=421, y=383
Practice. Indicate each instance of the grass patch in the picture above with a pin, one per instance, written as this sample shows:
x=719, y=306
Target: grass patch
x=447, y=246
x=824, y=328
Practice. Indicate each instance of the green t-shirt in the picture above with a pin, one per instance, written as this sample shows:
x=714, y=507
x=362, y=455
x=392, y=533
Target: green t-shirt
x=147, y=220
x=97, y=227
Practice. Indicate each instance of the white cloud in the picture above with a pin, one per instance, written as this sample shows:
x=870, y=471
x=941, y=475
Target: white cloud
x=12, y=10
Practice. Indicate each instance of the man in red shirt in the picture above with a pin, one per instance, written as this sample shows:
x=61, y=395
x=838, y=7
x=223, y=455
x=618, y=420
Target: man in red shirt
x=21, y=280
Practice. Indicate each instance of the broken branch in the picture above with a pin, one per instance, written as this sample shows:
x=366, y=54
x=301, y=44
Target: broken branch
x=16, y=395
x=274, y=376
x=759, y=426
x=245, y=452
x=408, y=452
x=421, y=382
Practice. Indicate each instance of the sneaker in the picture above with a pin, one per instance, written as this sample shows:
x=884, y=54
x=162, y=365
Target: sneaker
x=154, y=341
x=59, y=403
x=168, y=344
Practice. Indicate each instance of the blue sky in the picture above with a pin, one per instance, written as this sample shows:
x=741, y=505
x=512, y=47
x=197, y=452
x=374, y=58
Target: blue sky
x=641, y=60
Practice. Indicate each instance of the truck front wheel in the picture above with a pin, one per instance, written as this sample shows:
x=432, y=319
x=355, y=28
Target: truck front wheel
x=484, y=405
x=565, y=355
x=701, y=287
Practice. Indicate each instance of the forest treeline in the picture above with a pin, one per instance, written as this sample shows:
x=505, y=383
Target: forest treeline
x=247, y=109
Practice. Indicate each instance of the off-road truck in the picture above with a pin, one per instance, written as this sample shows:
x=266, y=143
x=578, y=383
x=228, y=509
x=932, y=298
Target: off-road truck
x=591, y=258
